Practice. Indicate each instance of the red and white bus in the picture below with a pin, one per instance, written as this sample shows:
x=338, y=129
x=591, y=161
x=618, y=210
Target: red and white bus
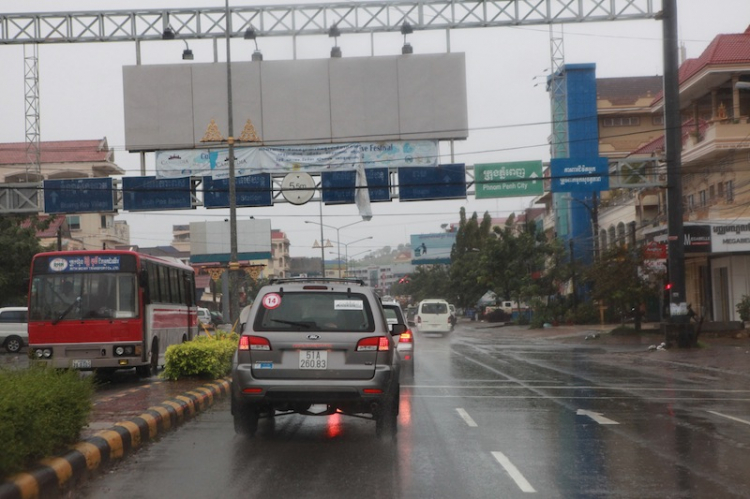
x=106, y=310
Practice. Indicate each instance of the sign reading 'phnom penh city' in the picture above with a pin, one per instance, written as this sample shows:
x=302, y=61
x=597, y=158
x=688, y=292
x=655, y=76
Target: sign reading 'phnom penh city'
x=500, y=180
x=579, y=174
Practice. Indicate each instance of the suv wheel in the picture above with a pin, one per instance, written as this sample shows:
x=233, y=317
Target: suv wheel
x=386, y=420
x=245, y=418
x=13, y=344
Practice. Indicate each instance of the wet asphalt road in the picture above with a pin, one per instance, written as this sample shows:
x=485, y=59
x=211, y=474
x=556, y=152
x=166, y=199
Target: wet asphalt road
x=490, y=412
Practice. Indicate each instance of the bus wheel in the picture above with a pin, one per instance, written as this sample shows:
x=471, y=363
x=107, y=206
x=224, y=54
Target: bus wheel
x=153, y=366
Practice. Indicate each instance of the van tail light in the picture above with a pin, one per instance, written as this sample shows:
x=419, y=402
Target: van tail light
x=254, y=343
x=372, y=344
x=419, y=319
x=406, y=337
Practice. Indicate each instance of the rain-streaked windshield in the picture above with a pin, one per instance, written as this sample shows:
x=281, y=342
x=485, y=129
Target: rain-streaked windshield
x=83, y=296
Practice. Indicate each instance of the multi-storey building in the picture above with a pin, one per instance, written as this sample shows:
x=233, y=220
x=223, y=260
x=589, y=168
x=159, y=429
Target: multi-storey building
x=715, y=106
x=67, y=160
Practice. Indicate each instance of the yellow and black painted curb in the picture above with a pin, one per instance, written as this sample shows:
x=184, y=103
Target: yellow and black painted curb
x=54, y=475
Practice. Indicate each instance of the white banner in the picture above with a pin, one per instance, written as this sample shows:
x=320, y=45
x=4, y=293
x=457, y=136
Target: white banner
x=284, y=159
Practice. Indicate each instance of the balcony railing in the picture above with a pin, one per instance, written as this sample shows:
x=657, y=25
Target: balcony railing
x=719, y=136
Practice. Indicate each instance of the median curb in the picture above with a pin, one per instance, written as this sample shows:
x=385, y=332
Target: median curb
x=54, y=475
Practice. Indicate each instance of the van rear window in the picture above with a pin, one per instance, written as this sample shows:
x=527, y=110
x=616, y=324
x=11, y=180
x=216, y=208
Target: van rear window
x=434, y=308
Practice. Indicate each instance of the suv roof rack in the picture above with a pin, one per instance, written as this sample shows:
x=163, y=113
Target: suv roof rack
x=343, y=280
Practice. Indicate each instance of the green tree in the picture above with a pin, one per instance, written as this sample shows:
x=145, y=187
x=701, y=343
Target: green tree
x=466, y=270
x=622, y=281
x=19, y=243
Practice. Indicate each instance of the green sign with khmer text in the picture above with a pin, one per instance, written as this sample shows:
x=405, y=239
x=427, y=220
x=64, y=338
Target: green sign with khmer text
x=501, y=180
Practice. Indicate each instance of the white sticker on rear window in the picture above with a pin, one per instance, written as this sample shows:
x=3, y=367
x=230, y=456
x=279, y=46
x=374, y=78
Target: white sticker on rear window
x=348, y=305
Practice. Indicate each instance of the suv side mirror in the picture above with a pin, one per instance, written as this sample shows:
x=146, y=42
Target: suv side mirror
x=397, y=329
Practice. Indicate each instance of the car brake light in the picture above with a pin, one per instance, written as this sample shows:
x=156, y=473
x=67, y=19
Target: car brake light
x=405, y=337
x=379, y=343
x=254, y=343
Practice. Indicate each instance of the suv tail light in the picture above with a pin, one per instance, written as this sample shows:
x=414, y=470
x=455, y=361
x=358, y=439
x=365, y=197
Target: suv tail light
x=374, y=343
x=406, y=337
x=254, y=343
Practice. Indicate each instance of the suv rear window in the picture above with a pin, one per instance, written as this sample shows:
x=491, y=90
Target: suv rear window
x=434, y=308
x=308, y=311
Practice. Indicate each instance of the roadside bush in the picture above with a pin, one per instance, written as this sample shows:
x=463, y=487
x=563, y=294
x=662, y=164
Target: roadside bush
x=204, y=357
x=584, y=313
x=41, y=411
x=743, y=308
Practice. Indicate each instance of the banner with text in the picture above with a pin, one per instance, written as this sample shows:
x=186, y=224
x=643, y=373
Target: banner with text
x=285, y=159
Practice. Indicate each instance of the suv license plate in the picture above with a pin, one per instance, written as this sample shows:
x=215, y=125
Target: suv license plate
x=313, y=359
x=81, y=364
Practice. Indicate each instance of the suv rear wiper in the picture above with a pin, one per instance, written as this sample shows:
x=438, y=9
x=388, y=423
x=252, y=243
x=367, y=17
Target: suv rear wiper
x=306, y=324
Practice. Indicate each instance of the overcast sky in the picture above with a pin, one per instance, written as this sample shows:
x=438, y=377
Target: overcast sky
x=81, y=98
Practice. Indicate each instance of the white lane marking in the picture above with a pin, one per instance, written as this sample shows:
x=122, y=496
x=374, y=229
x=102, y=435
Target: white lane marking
x=545, y=397
x=466, y=417
x=602, y=387
x=596, y=416
x=516, y=475
x=730, y=417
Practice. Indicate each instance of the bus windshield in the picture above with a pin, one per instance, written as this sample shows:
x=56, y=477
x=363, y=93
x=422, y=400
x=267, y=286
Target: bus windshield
x=101, y=295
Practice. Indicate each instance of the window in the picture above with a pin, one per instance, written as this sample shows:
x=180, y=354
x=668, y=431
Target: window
x=657, y=120
x=691, y=202
x=702, y=198
x=729, y=189
x=720, y=189
x=712, y=192
x=74, y=222
x=621, y=121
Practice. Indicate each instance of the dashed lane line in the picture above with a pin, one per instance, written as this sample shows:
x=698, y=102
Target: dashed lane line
x=739, y=420
x=516, y=475
x=465, y=416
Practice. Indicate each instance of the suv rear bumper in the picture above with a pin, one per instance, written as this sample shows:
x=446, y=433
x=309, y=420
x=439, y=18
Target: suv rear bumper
x=312, y=391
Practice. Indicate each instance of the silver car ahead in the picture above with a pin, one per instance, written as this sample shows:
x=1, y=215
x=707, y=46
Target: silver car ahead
x=316, y=347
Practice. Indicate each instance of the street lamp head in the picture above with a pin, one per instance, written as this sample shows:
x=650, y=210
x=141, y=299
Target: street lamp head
x=168, y=33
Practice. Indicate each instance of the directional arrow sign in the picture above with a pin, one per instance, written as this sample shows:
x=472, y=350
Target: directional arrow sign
x=596, y=416
x=501, y=180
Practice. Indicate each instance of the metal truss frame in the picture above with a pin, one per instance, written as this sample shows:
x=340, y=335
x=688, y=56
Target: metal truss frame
x=310, y=19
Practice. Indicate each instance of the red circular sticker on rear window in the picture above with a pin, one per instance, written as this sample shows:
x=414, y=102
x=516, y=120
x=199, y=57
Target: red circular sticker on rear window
x=271, y=300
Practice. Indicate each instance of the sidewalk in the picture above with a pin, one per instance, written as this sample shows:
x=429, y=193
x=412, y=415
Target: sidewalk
x=726, y=354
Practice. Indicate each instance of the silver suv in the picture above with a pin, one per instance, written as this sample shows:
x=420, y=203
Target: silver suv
x=316, y=347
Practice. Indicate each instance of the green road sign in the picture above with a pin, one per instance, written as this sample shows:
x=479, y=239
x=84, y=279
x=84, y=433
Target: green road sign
x=503, y=180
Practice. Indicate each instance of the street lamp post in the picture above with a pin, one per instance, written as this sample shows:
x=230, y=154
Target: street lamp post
x=234, y=264
x=337, y=229
x=346, y=249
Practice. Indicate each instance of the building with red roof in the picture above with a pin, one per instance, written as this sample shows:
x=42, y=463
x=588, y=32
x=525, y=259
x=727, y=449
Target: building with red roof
x=65, y=160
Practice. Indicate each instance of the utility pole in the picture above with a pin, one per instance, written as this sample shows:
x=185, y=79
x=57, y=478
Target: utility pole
x=678, y=319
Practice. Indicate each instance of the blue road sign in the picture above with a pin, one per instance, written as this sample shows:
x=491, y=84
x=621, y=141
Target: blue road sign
x=422, y=183
x=81, y=195
x=151, y=193
x=338, y=187
x=579, y=174
x=249, y=190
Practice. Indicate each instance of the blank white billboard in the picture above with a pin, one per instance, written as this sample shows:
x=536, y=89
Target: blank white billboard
x=211, y=239
x=337, y=100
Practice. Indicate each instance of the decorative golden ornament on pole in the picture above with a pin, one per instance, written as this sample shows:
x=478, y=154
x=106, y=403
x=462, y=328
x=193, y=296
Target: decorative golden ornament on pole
x=248, y=133
x=212, y=133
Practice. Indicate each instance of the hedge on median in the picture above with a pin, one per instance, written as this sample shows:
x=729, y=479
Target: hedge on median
x=41, y=411
x=205, y=356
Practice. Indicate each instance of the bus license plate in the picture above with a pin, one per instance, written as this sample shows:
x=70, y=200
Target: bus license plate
x=81, y=364
x=313, y=359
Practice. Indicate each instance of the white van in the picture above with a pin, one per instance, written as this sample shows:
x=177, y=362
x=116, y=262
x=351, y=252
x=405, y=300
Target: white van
x=14, y=328
x=434, y=316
